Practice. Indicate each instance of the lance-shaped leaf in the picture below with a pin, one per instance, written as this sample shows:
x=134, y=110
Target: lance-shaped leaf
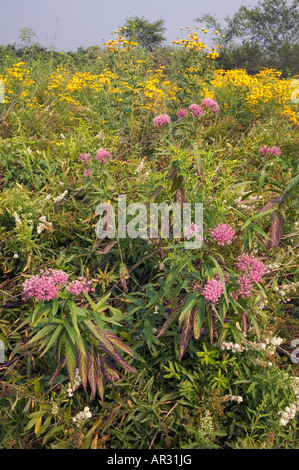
x=211, y=327
x=106, y=345
x=82, y=364
x=107, y=248
x=191, y=300
x=103, y=340
x=118, y=343
x=124, y=274
x=294, y=182
x=256, y=326
x=52, y=340
x=270, y=204
x=45, y=331
x=101, y=378
x=186, y=333
x=92, y=371
x=276, y=230
x=172, y=317
x=198, y=316
x=71, y=359
x=117, y=357
x=109, y=369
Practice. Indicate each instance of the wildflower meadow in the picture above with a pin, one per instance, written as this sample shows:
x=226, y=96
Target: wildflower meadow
x=149, y=250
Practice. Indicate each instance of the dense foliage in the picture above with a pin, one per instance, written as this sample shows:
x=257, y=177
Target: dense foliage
x=142, y=342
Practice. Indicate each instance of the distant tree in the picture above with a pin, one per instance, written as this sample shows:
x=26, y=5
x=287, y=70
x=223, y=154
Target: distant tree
x=26, y=37
x=272, y=27
x=210, y=21
x=148, y=35
x=272, y=24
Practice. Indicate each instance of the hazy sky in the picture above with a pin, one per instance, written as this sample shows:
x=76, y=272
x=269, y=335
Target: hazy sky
x=68, y=24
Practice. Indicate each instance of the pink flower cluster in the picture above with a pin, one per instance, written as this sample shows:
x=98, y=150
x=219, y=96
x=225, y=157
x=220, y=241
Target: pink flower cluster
x=254, y=271
x=191, y=231
x=223, y=234
x=182, y=113
x=84, y=157
x=102, y=156
x=160, y=120
x=79, y=286
x=196, y=110
x=44, y=286
x=212, y=104
x=213, y=290
x=273, y=150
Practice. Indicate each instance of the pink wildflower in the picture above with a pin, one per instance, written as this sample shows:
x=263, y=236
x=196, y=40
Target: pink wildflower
x=160, y=120
x=44, y=286
x=87, y=173
x=223, y=234
x=212, y=104
x=59, y=276
x=102, y=156
x=213, y=290
x=196, y=110
x=84, y=157
x=192, y=231
x=182, y=113
x=266, y=150
x=254, y=271
x=79, y=286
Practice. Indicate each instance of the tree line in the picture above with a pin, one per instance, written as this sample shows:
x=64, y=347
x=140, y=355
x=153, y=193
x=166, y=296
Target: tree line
x=265, y=35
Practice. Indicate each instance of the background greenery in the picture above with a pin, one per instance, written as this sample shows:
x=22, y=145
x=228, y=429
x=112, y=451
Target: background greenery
x=171, y=385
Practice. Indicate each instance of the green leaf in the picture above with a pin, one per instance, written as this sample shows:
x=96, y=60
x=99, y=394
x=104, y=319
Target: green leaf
x=55, y=430
x=294, y=182
x=73, y=310
x=262, y=179
x=42, y=333
x=92, y=372
x=101, y=378
x=71, y=331
x=82, y=365
x=117, y=342
x=171, y=318
x=189, y=304
x=71, y=359
x=199, y=317
x=52, y=339
x=148, y=332
x=55, y=306
x=260, y=231
x=124, y=275
x=186, y=333
x=110, y=371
